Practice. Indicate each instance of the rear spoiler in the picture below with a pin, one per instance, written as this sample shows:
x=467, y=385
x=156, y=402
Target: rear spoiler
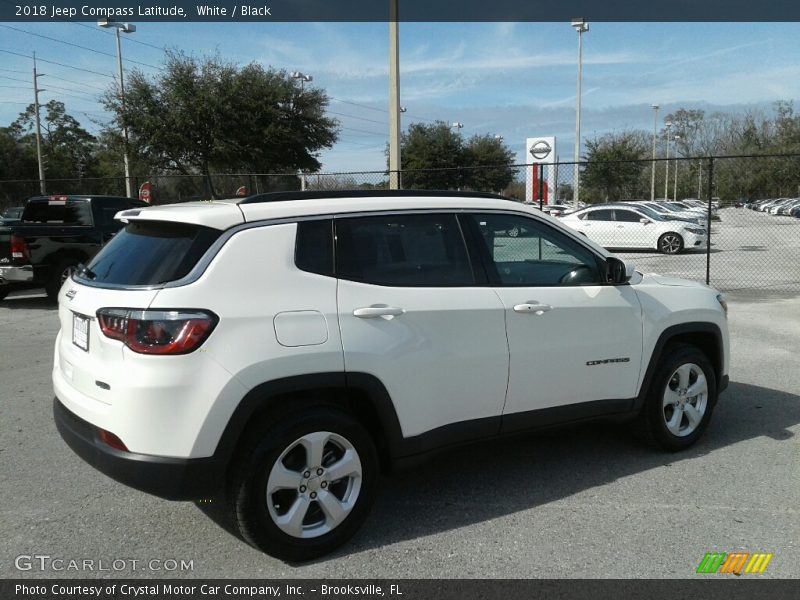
x=125, y=215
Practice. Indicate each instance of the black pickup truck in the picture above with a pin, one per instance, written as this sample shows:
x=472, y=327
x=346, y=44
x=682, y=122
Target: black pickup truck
x=55, y=234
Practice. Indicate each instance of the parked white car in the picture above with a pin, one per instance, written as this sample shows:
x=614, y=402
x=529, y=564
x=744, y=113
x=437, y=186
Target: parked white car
x=633, y=226
x=672, y=213
x=278, y=351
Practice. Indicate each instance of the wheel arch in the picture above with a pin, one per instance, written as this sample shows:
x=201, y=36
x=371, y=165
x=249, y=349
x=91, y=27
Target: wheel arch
x=361, y=395
x=704, y=335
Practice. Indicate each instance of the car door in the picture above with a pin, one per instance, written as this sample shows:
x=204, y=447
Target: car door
x=631, y=232
x=417, y=315
x=574, y=340
x=598, y=225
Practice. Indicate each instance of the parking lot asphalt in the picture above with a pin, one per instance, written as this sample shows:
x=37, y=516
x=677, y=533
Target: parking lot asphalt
x=584, y=502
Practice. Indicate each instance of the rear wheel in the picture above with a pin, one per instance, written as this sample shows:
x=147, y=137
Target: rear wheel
x=304, y=486
x=670, y=243
x=681, y=399
x=62, y=270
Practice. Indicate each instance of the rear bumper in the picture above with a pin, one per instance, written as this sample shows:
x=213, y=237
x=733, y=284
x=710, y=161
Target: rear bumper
x=170, y=478
x=16, y=274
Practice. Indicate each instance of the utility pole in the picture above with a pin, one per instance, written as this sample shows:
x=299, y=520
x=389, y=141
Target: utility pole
x=36, y=90
x=655, y=108
x=394, y=99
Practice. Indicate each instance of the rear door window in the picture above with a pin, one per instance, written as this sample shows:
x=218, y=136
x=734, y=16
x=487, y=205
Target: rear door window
x=150, y=253
x=422, y=250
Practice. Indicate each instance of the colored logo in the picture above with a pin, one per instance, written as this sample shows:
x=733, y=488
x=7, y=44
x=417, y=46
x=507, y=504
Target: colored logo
x=735, y=562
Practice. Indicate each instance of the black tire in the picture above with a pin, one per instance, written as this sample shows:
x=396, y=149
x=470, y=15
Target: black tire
x=248, y=491
x=670, y=243
x=61, y=270
x=4, y=290
x=651, y=424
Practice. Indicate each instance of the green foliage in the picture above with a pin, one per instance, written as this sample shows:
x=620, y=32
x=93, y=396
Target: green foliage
x=612, y=171
x=435, y=157
x=67, y=148
x=203, y=116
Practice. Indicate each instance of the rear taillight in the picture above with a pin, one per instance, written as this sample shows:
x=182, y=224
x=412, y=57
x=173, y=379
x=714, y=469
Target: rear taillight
x=157, y=331
x=19, y=249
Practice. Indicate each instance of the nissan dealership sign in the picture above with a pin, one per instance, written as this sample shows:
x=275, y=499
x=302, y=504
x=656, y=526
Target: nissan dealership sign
x=540, y=151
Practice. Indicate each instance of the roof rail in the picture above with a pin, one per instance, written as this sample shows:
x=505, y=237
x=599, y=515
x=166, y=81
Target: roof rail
x=322, y=194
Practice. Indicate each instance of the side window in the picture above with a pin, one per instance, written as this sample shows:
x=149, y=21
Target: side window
x=314, y=247
x=525, y=252
x=600, y=215
x=626, y=216
x=424, y=250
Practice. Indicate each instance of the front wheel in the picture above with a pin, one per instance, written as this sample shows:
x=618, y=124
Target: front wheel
x=680, y=400
x=670, y=243
x=305, y=485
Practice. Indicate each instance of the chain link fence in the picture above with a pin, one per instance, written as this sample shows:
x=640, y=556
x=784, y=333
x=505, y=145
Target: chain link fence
x=733, y=222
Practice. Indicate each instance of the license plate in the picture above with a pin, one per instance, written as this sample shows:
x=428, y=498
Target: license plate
x=80, y=332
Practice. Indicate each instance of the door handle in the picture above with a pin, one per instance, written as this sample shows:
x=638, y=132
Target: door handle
x=372, y=312
x=532, y=307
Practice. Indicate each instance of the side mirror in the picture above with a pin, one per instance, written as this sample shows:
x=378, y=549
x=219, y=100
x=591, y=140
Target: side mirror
x=617, y=271
x=644, y=220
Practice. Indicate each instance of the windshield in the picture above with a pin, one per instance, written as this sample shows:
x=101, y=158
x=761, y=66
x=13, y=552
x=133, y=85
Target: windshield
x=649, y=212
x=150, y=253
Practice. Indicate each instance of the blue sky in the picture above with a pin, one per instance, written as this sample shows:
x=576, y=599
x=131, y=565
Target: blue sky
x=512, y=79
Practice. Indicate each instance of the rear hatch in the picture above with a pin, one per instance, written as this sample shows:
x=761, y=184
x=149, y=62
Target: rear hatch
x=126, y=274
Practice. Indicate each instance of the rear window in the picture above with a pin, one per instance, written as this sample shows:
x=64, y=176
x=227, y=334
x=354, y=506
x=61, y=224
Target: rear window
x=151, y=253
x=66, y=212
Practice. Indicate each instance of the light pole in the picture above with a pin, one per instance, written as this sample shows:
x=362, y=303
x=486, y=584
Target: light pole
x=668, y=125
x=653, y=167
x=394, y=98
x=581, y=27
x=124, y=28
x=675, y=185
x=457, y=125
x=303, y=78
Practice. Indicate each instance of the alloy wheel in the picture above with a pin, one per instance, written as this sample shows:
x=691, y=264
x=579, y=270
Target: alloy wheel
x=314, y=484
x=685, y=399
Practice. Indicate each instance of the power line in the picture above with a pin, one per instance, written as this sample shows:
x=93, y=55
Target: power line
x=14, y=78
x=53, y=62
x=12, y=71
x=355, y=117
x=52, y=39
x=365, y=131
x=94, y=87
x=126, y=38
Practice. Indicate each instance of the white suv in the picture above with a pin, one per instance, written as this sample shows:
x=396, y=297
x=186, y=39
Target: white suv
x=278, y=351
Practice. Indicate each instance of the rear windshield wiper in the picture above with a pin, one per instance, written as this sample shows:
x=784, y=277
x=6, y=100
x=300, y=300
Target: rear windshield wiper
x=85, y=271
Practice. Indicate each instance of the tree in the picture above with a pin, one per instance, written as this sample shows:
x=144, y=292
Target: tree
x=490, y=164
x=204, y=115
x=431, y=156
x=436, y=157
x=614, y=168
x=67, y=148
